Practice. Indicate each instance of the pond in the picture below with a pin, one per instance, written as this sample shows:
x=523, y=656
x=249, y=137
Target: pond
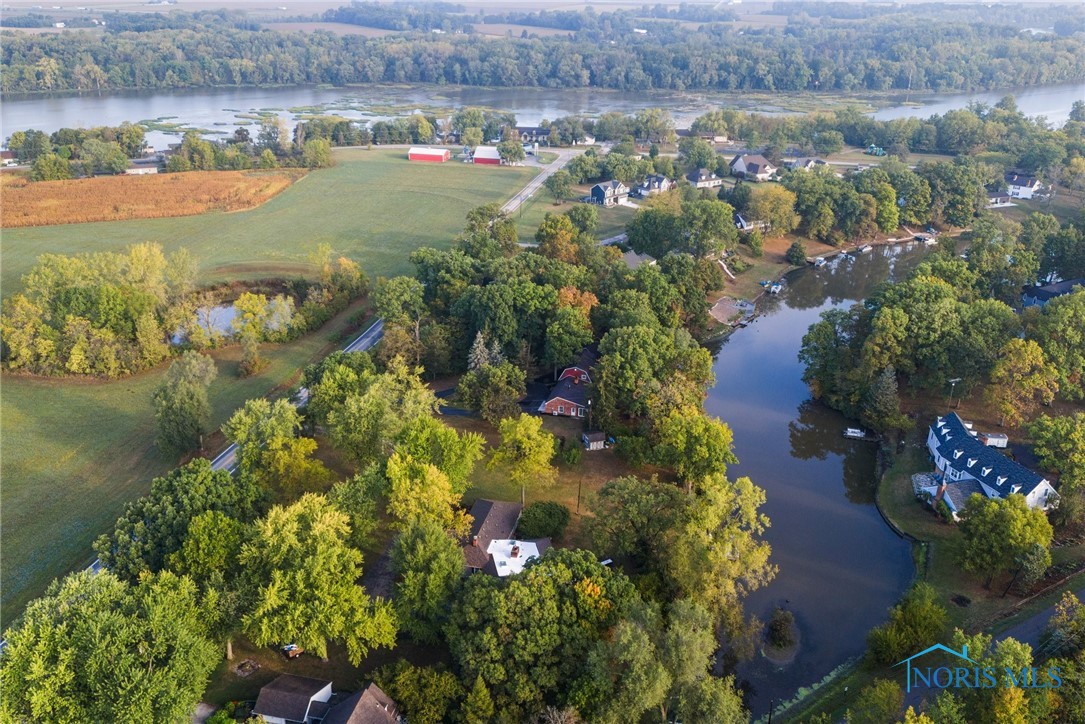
x=840, y=566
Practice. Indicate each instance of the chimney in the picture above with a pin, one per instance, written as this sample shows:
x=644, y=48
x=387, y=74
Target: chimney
x=474, y=541
x=515, y=551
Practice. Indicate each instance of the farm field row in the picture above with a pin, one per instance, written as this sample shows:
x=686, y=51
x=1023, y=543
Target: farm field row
x=373, y=206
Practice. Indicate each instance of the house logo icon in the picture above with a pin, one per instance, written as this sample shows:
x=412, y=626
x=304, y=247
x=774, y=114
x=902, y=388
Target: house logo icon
x=907, y=663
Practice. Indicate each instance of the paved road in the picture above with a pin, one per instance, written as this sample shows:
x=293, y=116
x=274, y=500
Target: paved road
x=227, y=459
x=1029, y=631
x=564, y=156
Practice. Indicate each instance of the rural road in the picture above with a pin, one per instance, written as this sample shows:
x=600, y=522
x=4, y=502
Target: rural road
x=227, y=459
x=532, y=186
x=1029, y=631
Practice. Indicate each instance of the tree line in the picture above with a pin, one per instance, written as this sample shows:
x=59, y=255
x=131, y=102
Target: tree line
x=110, y=314
x=805, y=56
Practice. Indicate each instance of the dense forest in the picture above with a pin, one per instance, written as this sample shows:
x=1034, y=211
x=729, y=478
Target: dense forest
x=620, y=50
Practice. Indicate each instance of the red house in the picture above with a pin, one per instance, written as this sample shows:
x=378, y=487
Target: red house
x=569, y=398
x=433, y=155
x=487, y=155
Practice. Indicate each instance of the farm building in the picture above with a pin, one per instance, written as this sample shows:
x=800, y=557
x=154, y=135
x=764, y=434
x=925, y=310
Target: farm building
x=487, y=155
x=433, y=155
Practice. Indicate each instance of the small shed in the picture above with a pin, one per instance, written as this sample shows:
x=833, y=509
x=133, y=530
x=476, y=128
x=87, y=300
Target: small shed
x=487, y=155
x=432, y=155
x=994, y=439
x=594, y=440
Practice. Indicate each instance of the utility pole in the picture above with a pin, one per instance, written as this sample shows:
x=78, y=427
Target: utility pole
x=952, y=387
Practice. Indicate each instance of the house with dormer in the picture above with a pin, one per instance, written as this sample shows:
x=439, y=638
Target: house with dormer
x=702, y=178
x=1021, y=185
x=966, y=464
x=609, y=193
x=752, y=166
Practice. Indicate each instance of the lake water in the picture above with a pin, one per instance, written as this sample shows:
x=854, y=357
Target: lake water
x=222, y=109
x=841, y=567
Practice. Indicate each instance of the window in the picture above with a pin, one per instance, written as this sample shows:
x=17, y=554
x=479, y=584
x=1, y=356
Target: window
x=580, y=412
x=561, y=409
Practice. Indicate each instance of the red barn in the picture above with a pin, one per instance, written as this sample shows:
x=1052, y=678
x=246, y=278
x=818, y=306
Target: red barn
x=433, y=155
x=487, y=155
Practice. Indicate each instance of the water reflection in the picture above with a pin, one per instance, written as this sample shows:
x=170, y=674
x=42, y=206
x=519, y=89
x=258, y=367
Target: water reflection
x=840, y=566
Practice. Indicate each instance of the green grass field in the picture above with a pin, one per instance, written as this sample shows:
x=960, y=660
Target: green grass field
x=75, y=451
x=373, y=206
x=612, y=221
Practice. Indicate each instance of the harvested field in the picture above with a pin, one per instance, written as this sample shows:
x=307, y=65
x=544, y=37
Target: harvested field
x=119, y=198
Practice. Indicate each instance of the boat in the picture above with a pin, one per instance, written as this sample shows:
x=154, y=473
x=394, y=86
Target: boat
x=865, y=249
x=854, y=433
x=820, y=262
x=776, y=288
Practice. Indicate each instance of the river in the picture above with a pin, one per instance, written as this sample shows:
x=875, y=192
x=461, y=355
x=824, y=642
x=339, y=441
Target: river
x=220, y=110
x=840, y=566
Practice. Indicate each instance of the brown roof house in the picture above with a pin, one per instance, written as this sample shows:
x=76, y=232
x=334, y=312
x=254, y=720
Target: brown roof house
x=368, y=706
x=289, y=698
x=491, y=547
x=752, y=166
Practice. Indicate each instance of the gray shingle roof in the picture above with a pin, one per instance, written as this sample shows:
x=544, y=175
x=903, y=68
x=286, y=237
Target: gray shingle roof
x=959, y=492
x=493, y=519
x=992, y=468
x=570, y=389
x=368, y=706
x=1050, y=291
x=288, y=696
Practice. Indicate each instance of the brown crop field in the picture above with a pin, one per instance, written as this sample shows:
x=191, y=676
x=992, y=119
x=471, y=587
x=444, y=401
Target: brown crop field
x=119, y=198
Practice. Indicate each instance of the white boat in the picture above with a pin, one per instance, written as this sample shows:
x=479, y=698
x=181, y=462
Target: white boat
x=776, y=288
x=820, y=262
x=855, y=433
x=865, y=249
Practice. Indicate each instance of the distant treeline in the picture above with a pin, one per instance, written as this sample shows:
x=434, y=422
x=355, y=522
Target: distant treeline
x=422, y=16
x=881, y=54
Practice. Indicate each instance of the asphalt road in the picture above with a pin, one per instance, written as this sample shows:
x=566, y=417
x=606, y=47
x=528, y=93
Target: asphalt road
x=532, y=187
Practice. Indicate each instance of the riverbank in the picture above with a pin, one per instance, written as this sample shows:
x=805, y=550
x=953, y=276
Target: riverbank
x=936, y=547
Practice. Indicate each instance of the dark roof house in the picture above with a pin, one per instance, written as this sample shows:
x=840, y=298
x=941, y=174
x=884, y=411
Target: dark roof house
x=609, y=193
x=702, y=178
x=368, y=706
x=290, y=698
x=959, y=455
x=1039, y=296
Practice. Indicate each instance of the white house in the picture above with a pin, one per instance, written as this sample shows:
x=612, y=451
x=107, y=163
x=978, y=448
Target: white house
x=702, y=178
x=1022, y=186
x=290, y=698
x=752, y=166
x=966, y=465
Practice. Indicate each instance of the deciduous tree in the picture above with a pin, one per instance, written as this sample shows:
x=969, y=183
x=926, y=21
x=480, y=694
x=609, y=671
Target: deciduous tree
x=94, y=649
x=998, y=530
x=429, y=565
x=304, y=581
x=526, y=450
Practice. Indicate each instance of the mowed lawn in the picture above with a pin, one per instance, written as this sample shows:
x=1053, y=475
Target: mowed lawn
x=373, y=206
x=74, y=452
